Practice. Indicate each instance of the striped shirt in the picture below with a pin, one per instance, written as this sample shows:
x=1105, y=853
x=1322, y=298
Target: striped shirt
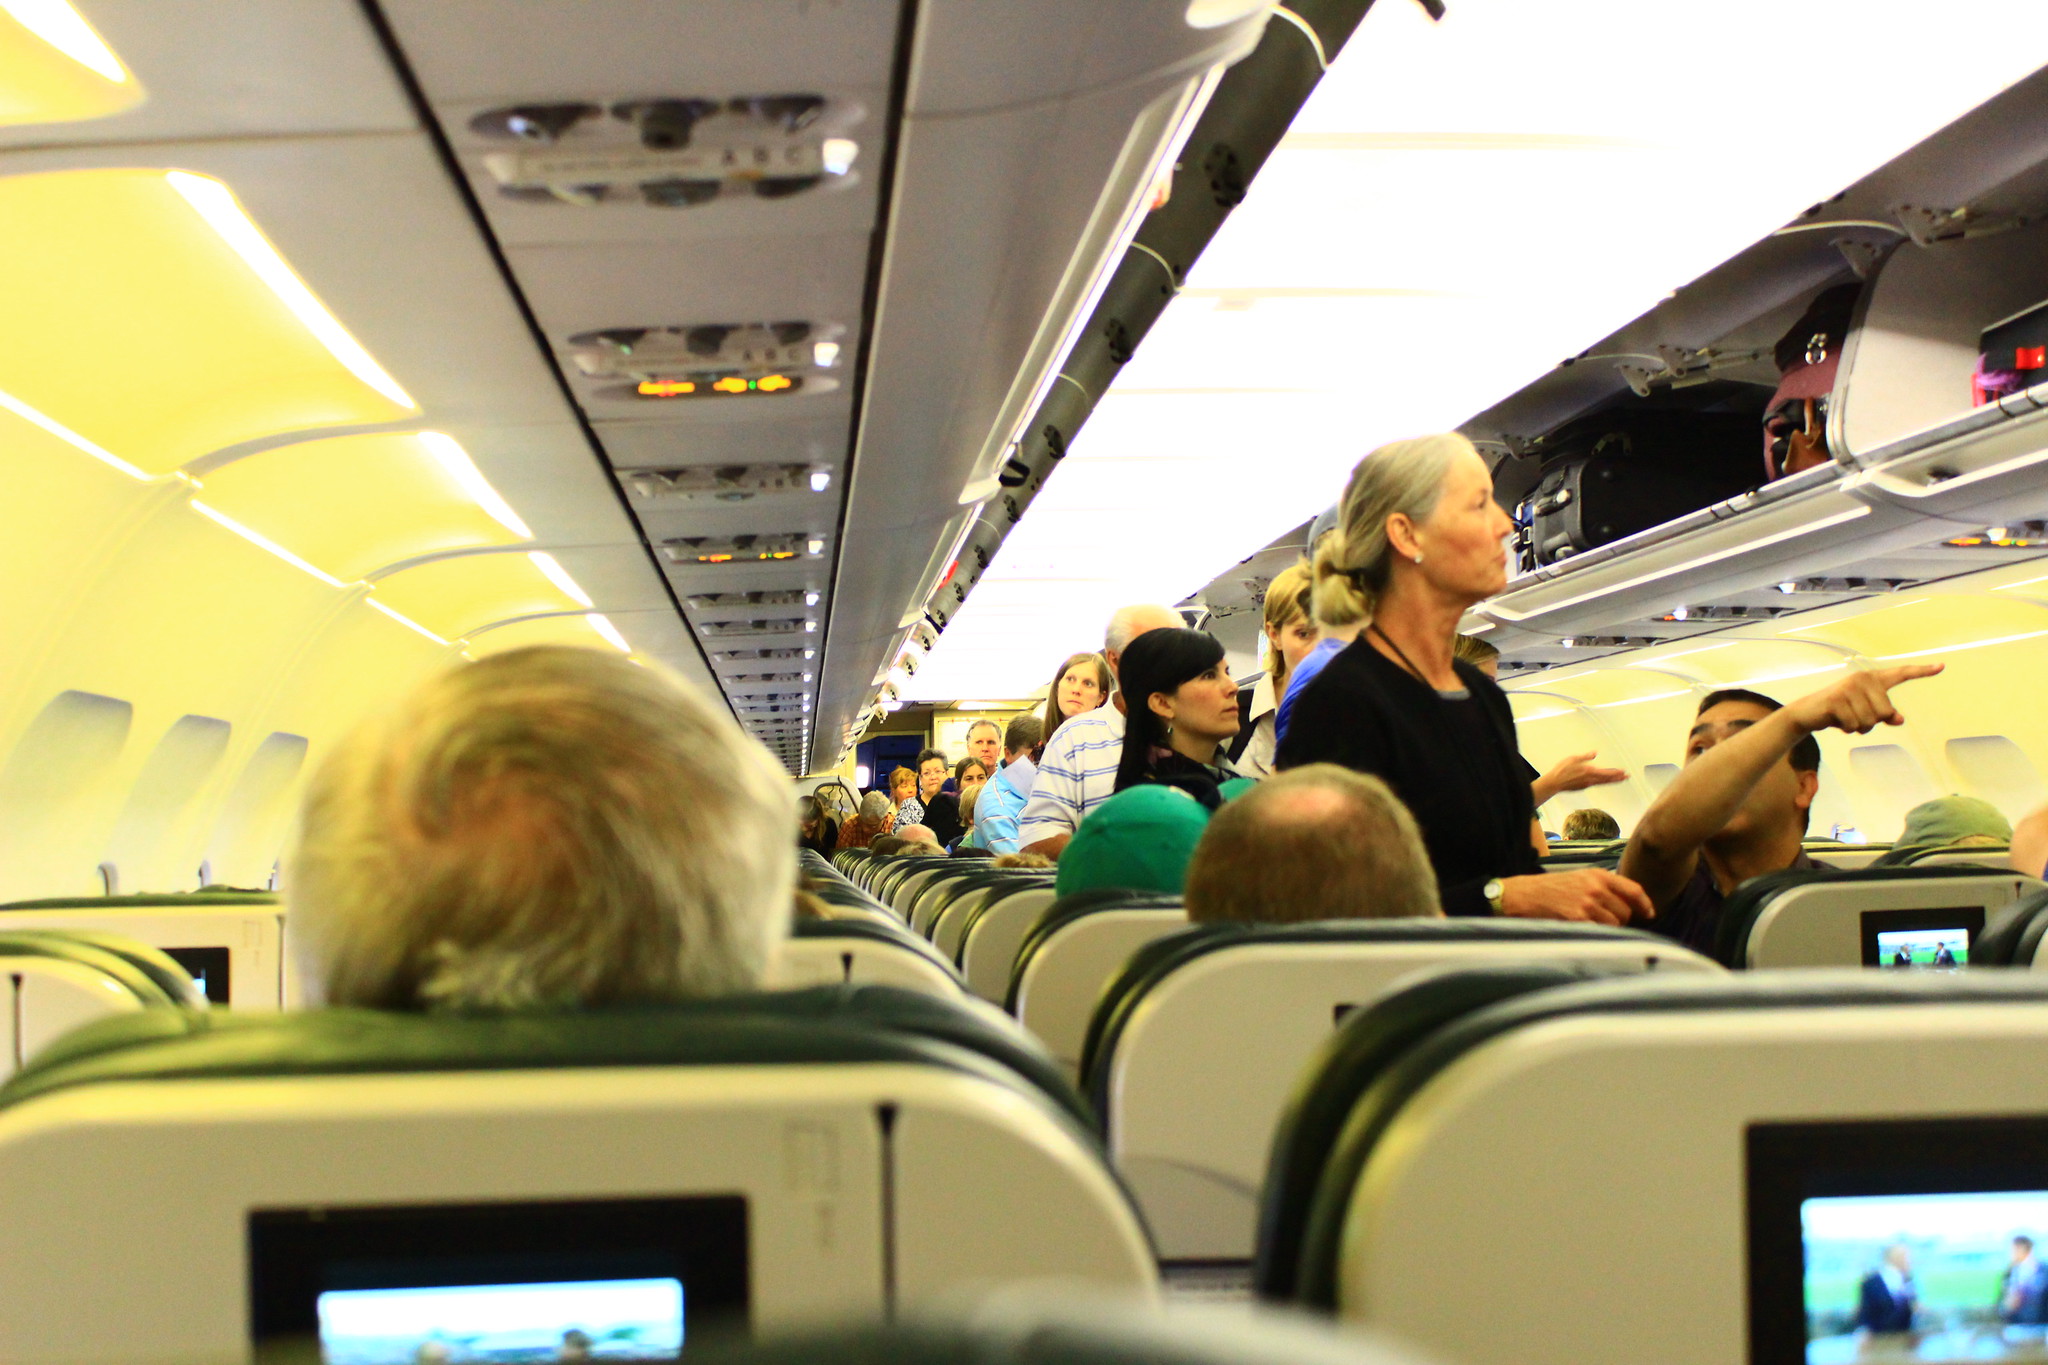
x=1076, y=774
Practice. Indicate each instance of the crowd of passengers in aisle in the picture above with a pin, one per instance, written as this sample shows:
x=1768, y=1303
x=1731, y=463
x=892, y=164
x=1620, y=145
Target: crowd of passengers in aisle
x=1366, y=677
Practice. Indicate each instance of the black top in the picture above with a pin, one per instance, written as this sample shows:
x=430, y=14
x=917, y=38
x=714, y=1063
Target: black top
x=1694, y=916
x=1454, y=762
x=942, y=817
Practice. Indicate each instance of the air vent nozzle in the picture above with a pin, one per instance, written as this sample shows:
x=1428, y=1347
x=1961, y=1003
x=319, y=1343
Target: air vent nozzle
x=725, y=483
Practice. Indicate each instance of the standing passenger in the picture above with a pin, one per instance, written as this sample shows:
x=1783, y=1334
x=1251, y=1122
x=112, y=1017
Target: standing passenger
x=1078, y=770
x=1421, y=541
x=1290, y=635
x=1002, y=800
x=1081, y=685
x=1181, y=708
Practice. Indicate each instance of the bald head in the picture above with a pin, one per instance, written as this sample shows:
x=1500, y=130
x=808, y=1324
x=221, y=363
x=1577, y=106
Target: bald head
x=1131, y=622
x=1319, y=842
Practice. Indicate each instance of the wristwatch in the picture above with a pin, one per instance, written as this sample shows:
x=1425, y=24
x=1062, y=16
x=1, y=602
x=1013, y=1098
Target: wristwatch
x=1494, y=891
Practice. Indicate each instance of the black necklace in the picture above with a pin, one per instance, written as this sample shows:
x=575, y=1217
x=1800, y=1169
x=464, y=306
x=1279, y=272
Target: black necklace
x=1401, y=654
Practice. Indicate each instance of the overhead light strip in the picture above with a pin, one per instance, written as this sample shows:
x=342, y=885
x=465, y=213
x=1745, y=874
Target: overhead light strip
x=603, y=626
x=552, y=570
x=215, y=203
x=265, y=542
x=67, y=435
x=455, y=460
x=406, y=621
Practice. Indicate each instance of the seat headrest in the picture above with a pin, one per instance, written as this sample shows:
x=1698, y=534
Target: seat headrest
x=836, y=1023
x=146, y=899
x=1739, y=913
x=144, y=972
x=1066, y=910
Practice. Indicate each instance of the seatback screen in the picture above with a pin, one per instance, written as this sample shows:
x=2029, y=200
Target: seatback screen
x=1921, y=940
x=208, y=968
x=601, y=1279
x=1908, y=1240
x=566, y=1320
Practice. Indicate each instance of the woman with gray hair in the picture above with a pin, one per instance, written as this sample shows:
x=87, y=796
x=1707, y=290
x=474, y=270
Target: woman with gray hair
x=547, y=828
x=1419, y=542
x=869, y=823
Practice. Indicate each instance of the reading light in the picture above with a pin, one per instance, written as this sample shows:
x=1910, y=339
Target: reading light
x=59, y=25
x=825, y=354
x=821, y=479
x=1788, y=587
x=810, y=627
x=264, y=542
x=1678, y=613
x=816, y=546
x=406, y=621
x=837, y=154
x=463, y=470
x=604, y=627
x=65, y=434
x=810, y=599
x=553, y=571
x=809, y=654
x=215, y=203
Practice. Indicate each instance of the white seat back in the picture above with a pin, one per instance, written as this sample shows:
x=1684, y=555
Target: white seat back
x=864, y=961
x=1058, y=987
x=1203, y=1053
x=988, y=950
x=1852, y=920
x=249, y=938
x=1591, y=1153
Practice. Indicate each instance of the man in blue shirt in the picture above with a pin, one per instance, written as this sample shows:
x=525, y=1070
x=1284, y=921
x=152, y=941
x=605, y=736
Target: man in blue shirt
x=1002, y=800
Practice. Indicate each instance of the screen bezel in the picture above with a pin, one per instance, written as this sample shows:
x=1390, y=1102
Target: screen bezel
x=296, y=1254
x=1789, y=1163
x=1969, y=918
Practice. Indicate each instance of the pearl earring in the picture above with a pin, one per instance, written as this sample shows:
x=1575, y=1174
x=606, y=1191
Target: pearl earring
x=1418, y=556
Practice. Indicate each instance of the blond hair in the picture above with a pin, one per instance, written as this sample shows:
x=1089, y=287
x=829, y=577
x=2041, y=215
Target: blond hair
x=1315, y=842
x=1286, y=602
x=549, y=827
x=1353, y=562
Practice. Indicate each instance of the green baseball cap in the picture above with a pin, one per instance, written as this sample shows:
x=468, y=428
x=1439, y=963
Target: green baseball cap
x=1948, y=820
x=1140, y=839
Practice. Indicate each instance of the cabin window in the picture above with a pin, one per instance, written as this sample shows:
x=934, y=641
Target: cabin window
x=1657, y=776
x=253, y=819
x=55, y=791
x=1889, y=782
x=1997, y=770
x=158, y=816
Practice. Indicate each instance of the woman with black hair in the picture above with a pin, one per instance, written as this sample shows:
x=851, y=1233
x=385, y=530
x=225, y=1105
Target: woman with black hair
x=1180, y=711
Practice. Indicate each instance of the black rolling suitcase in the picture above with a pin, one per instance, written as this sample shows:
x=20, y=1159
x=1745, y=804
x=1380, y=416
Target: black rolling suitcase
x=1613, y=474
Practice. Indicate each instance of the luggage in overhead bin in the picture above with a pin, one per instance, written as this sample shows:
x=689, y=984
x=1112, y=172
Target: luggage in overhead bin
x=2013, y=355
x=1615, y=473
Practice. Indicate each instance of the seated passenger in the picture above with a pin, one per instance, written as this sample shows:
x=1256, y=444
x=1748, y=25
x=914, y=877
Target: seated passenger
x=549, y=827
x=1290, y=635
x=869, y=823
x=1078, y=769
x=814, y=829
x=1138, y=840
x=1591, y=823
x=1002, y=800
x=1955, y=822
x=1317, y=842
x=920, y=840
x=1739, y=806
x=1181, y=711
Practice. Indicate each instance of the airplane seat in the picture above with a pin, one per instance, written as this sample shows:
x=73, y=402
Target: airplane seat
x=1863, y=916
x=52, y=982
x=1033, y=1326
x=788, y=1156
x=826, y=951
x=1630, y=1161
x=2014, y=936
x=993, y=932
x=928, y=895
x=972, y=897
x=1194, y=1049
x=230, y=941
x=1980, y=855
x=1076, y=948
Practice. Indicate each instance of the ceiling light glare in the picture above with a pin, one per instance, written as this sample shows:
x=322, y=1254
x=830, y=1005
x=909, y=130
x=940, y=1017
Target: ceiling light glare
x=809, y=654
x=1679, y=613
x=1788, y=587
x=821, y=479
x=216, y=204
x=59, y=25
x=65, y=434
x=603, y=626
x=837, y=154
x=455, y=460
x=406, y=621
x=552, y=570
x=825, y=354
x=265, y=542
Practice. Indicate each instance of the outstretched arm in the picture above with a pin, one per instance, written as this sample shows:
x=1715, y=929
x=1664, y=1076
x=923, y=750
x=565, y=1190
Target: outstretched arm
x=1573, y=774
x=1665, y=848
